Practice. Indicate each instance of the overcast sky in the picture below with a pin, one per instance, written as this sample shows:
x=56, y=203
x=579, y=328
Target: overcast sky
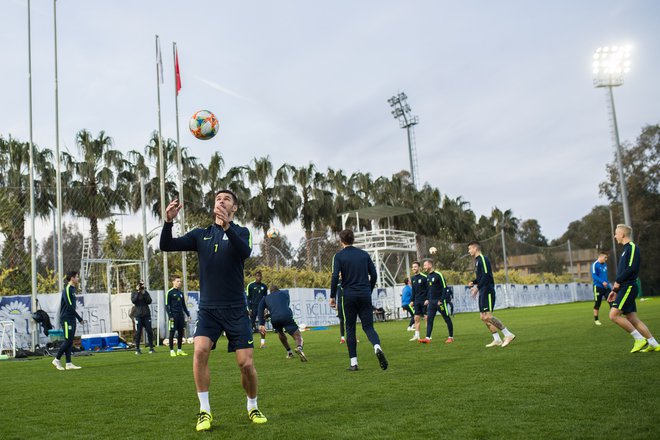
x=503, y=89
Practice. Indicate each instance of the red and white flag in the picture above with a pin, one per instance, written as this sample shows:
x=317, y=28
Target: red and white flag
x=177, y=72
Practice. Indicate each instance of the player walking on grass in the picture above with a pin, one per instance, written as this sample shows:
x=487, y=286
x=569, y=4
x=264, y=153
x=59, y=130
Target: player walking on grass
x=358, y=279
x=256, y=291
x=281, y=317
x=601, y=285
x=484, y=286
x=222, y=249
x=419, y=286
x=177, y=311
x=624, y=310
x=407, y=303
x=436, y=290
x=68, y=317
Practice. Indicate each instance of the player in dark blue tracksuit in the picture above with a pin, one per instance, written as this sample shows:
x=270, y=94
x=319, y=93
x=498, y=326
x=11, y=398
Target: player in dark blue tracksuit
x=281, y=317
x=255, y=292
x=358, y=279
x=624, y=291
x=68, y=318
x=601, y=284
x=177, y=311
x=419, y=287
x=222, y=249
x=436, y=290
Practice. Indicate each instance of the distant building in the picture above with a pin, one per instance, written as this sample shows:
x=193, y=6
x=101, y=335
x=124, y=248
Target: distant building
x=582, y=260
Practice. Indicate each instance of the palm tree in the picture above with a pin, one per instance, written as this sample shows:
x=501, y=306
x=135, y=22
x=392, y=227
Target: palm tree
x=345, y=198
x=214, y=180
x=273, y=197
x=99, y=182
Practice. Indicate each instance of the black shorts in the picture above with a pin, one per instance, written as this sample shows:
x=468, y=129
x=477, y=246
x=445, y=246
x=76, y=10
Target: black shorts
x=420, y=308
x=178, y=323
x=288, y=325
x=600, y=293
x=625, y=299
x=486, y=300
x=234, y=321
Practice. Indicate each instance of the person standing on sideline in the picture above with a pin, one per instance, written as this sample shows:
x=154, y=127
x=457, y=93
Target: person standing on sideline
x=407, y=303
x=484, y=286
x=624, y=291
x=68, y=317
x=222, y=249
x=339, y=305
x=358, y=279
x=141, y=299
x=256, y=291
x=419, y=286
x=281, y=317
x=601, y=285
x=436, y=290
x=178, y=314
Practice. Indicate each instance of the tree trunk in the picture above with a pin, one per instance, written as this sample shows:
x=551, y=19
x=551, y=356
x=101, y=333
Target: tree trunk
x=267, y=246
x=94, y=232
x=308, y=247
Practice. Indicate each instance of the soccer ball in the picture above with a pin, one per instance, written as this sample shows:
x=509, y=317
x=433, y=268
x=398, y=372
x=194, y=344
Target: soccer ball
x=166, y=341
x=273, y=233
x=203, y=124
x=191, y=340
x=433, y=250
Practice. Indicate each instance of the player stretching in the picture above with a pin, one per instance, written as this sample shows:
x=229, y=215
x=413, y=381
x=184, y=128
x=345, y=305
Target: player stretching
x=436, y=290
x=484, y=285
x=601, y=285
x=624, y=311
x=281, y=317
x=222, y=249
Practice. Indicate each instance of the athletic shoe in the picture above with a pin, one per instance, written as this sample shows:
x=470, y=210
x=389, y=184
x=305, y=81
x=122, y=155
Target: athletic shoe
x=289, y=355
x=352, y=368
x=303, y=358
x=262, y=346
x=172, y=353
x=597, y=322
x=138, y=352
x=426, y=340
x=508, y=340
x=57, y=364
x=411, y=329
x=639, y=344
x=414, y=338
x=449, y=340
x=257, y=417
x=72, y=367
x=381, y=359
x=494, y=344
x=181, y=353
x=342, y=341
x=152, y=351
x=204, y=420
x=649, y=348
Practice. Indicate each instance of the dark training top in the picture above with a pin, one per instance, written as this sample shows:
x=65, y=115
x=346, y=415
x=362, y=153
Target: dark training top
x=255, y=293
x=175, y=303
x=419, y=287
x=358, y=273
x=484, y=279
x=628, y=270
x=221, y=257
x=68, y=304
x=436, y=286
x=277, y=304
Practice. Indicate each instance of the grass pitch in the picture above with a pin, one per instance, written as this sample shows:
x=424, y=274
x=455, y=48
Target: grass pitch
x=562, y=377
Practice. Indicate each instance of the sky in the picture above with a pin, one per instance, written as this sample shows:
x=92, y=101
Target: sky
x=508, y=115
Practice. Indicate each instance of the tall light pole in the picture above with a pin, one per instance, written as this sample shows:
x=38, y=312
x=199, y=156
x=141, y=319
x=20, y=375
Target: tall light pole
x=401, y=111
x=610, y=63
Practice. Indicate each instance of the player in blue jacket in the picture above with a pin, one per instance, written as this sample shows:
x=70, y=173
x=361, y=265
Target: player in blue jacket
x=407, y=303
x=601, y=284
x=281, y=317
x=624, y=291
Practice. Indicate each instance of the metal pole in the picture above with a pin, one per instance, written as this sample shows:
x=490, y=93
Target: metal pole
x=182, y=214
x=410, y=156
x=506, y=264
x=58, y=176
x=108, y=275
x=619, y=159
x=145, y=245
x=161, y=169
x=613, y=240
x=570, y=257
x=33, y=248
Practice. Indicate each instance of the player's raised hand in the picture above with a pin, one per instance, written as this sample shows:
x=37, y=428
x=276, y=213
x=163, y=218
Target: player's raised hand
x=172, y=210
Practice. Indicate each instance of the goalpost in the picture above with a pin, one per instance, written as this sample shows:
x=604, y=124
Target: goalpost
x=8, y=339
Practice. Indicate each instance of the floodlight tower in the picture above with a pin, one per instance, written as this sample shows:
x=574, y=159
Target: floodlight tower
x=401, y=111
x=610, y=63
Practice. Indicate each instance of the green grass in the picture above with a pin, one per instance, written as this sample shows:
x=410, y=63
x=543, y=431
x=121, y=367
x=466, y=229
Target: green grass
x=563, y=377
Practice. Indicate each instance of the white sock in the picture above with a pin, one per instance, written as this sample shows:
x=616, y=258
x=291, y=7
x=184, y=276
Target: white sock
x=171, y=351
x=204, y=404
x=506, y=333
x=376, y=348
x=416, y=334
x=353, y=361
x=179, y=350
x=652, y=342
x=68, y=364
x=263, y=341
x=637, y=335
x=496, y=337
x=251, y=403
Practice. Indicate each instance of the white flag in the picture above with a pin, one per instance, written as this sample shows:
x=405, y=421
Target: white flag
x=159, y=60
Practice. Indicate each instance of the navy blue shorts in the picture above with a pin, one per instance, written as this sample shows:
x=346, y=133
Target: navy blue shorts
x=486, y=301
x=234, y=321
x=420, y=308
x=600, y=293
x=288, y=325
x=625, y=299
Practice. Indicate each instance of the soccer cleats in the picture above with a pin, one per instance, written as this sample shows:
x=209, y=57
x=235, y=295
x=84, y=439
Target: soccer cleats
x=181, y=353
x=508, y=340
x=597, y=322
x=57, y=364
x=303, y=358
x=257, y=416
x=381, y=359
x=70, y=366
x=449, y=340
x=649, y=348
x=204, y=420
x=494, y=344
x=639, y=344
x=425, y=341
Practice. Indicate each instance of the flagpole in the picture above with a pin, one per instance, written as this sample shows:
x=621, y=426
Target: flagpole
x=58, y=175
x=33, y=248
x=161, y=172
x=182, y=217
